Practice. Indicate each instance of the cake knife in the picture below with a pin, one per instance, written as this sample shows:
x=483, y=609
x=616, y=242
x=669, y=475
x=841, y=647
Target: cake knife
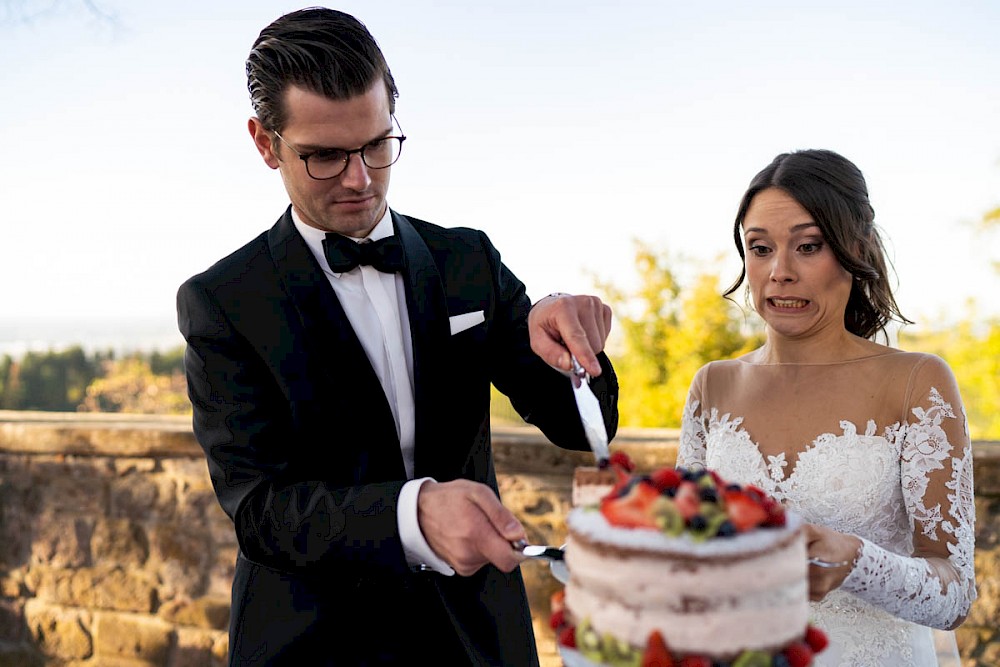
x=590, y=412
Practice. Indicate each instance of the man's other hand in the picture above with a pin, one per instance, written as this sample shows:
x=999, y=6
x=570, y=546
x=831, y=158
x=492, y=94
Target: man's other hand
x=467, y=527
x=563, y=324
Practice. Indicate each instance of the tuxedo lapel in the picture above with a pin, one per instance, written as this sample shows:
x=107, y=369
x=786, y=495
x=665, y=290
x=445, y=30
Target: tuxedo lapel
x=338, y=366
x=430, y=332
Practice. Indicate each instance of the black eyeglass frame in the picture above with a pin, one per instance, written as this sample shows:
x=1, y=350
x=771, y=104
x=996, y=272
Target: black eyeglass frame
x=348, y=153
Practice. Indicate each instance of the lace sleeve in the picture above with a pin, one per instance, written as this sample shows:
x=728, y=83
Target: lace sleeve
x=936, y=585
x=691, y=450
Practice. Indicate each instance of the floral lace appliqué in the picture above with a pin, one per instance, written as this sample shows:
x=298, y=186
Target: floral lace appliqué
x=836, y=481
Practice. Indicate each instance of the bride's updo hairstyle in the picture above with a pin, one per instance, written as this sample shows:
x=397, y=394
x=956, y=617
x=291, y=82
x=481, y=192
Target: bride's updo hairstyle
x=833, y=191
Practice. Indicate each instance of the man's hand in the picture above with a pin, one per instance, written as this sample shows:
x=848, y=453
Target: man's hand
x=467, y=527
x=564, y=324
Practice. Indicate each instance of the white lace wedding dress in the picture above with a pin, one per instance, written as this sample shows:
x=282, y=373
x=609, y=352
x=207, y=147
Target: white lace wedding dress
x=875, y=447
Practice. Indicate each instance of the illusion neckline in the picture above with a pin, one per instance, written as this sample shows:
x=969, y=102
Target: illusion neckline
x=839, y=362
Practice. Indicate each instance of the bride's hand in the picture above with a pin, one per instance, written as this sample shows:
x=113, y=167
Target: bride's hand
x=832, y=547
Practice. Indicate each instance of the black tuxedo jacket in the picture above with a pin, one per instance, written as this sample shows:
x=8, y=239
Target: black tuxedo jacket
x=304, y=457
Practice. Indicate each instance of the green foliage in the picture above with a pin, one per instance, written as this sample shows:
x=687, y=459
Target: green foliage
x=972, y=349
x=131, y=385
x=71, y=380
x=47, y=380
x=667, y=332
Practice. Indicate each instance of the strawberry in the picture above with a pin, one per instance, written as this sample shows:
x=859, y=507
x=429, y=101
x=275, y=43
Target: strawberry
x=633, y=510
x=688, y=499
x=657, y=654
x=816, y=639
x=558, y=601
x=621, y=460
x=557, y=619
x=798, y=654
x=775, y=513
x=567, y=637
x=744, y=513
x=666, y=478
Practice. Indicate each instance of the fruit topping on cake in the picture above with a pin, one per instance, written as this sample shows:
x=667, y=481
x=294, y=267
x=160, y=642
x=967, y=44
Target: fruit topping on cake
x=687, y=500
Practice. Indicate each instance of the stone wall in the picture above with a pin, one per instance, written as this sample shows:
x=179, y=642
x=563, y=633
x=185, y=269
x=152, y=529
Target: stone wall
x=115, y=553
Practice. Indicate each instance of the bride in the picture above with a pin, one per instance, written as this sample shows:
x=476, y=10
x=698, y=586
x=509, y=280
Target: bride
x=868, y=443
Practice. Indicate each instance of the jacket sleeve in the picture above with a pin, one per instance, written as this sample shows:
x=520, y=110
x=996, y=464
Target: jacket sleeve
x=284, y=519
x=541, y=395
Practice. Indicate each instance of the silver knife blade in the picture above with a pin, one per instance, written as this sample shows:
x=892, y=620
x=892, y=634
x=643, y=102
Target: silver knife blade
x=590, y=412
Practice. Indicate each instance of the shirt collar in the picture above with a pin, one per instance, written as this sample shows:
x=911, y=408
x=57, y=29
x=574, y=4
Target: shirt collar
x=314, y=237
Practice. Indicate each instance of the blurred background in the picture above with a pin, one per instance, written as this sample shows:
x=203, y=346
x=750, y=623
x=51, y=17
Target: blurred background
x=602, y=146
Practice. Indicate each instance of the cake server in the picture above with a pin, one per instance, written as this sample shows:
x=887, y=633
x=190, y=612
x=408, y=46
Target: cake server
x=541, y=551
x=590, y=412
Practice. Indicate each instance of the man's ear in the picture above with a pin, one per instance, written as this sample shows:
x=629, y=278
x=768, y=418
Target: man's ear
x=262, y=140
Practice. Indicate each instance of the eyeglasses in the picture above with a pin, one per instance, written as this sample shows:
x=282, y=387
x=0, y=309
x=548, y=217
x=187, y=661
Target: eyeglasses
x=328, y=163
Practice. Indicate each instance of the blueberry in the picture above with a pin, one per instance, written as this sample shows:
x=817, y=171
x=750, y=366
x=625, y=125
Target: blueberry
x=726, y=529
x=733, y=487
x=709, y=494
x=603, y=464
x=697, y=522
x=779, y=660
x=669, y=492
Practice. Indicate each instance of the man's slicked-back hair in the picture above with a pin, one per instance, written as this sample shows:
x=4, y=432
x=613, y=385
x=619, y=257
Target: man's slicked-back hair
x=322, y=50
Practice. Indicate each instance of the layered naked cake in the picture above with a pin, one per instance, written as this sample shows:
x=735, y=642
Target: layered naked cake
x=680, y=565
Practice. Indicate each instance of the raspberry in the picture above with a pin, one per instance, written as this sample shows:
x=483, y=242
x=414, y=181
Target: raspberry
x=816, y=639
x=799, y=654
x=666, y=478
x=567, y=637
x=621, y=460
x=557, y=619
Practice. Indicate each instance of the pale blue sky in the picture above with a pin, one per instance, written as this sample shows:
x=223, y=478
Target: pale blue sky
x=563, y=129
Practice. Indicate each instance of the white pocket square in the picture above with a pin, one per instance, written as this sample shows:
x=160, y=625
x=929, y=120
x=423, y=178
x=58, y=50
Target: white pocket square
x=465, y=320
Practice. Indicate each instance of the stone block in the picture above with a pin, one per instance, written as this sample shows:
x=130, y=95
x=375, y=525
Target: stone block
x=16, y=534
x=986, y=469
x=113, y=588
x=124, y=466
x=142, y=497
x=220, y=650
x=133, y=637
x=20, y=655
x=61, y=540
x=59, y=632
x=73, y=485
x=182, y=558
x=12, y=583
x=193, y=648
x=985, y=610
x=119, y=542
x=13, y=627
x=209, y=613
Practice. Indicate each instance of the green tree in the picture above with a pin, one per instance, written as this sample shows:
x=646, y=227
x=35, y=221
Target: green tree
x=48, y=380
x=666, y=332
x=972, y=349
x=130, y=385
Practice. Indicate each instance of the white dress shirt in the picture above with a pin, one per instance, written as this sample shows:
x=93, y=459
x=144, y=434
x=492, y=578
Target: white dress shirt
x=375, y=304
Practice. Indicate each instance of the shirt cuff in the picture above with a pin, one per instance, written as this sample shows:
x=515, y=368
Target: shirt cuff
x=419, y=554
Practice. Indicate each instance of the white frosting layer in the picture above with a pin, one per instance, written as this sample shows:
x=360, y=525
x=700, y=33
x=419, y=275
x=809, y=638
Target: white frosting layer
x=713, y=598
x=589, y=494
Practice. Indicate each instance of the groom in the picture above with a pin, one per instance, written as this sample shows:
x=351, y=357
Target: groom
x=340, y=367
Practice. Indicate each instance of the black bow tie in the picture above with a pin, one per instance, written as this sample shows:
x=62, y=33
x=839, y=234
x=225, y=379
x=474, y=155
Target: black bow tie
x=343, y=254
